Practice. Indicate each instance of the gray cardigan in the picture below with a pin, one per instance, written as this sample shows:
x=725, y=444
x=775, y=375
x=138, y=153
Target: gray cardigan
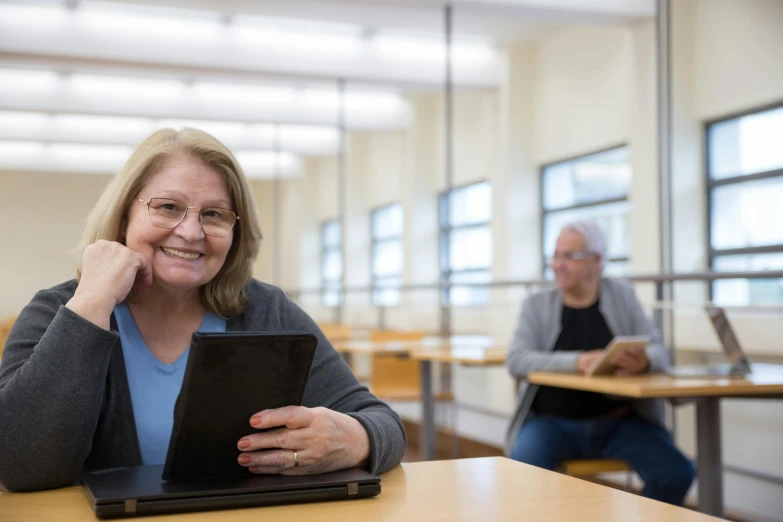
x=539, y=328
x=65, y=403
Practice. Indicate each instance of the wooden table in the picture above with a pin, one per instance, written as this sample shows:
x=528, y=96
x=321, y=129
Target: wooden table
x=478, y=353
x=469, y=350
x=766, y=381
x=492, y=489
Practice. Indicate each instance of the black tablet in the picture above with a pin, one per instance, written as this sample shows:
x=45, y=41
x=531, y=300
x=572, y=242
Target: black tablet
x=228, y=378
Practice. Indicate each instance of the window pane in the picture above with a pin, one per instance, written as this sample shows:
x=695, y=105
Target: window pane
x=471, y=204
x=612, y=218
x=387, y=291
x=739, y=292
x=387, y=222
x=746, y=145
x=470, y=248
x=330, y=234
x=387, y=258
x=605, y=175
x=470, y=295
x=331, y=296
x=747, y=214
x=332, y=266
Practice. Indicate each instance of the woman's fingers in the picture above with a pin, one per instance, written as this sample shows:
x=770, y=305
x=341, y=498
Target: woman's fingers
x=281, y=438
x=289, y=416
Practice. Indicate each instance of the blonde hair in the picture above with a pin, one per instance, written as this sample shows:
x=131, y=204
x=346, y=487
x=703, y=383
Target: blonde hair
x=226, y=294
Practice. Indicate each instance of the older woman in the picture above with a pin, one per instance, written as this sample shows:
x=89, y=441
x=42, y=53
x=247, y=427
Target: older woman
x=563, y=330
x=92, y=367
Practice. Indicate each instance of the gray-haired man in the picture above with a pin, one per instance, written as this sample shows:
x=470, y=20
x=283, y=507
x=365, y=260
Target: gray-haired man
x=564, y=329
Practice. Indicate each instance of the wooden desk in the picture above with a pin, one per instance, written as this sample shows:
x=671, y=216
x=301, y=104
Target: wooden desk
x=495, y=489
x=766, y=381
x=475, y=353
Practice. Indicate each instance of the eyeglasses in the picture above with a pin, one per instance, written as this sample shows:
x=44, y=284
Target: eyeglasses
x=168, y=213
x=571, y=256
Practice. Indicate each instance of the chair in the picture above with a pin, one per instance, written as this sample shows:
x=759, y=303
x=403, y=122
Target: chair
x=392, y=377
x=587, y=468
x=5, y=329
x=336, y=332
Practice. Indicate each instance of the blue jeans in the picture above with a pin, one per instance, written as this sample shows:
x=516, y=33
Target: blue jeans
x=547, y=442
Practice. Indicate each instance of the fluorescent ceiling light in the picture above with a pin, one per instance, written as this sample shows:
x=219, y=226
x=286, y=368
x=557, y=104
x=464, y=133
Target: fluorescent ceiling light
x=244, y=93
x=309, y=133
x=222, y=130
x=41, y=16
x=112, y=86
x=20, y=149
x=255, y=163
x=80, y=123
x=425, y=48
x=104, y=154
x=162, y=22
x=359, y=101
x=284, y=33
x=23, y=121
x=27, y=79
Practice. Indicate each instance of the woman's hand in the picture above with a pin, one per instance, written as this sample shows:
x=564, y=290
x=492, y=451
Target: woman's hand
x=306, y=441
x=109, y=272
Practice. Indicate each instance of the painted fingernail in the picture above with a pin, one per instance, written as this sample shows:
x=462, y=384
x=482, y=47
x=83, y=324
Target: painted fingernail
x=244, y=444
x=255, y=420
x=244, y=460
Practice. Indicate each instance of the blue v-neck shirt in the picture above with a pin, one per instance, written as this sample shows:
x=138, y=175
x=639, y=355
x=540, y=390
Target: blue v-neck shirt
x=154, y=385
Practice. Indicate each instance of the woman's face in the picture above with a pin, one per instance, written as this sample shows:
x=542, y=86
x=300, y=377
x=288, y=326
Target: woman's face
x=184, y=257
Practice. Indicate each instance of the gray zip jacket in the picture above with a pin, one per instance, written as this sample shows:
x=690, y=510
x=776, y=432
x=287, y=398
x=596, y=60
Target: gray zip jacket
x=65, y=404
x=539, y=328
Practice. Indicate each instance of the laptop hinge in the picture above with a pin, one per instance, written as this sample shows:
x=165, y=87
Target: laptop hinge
x=353, y=488
x=130, y=506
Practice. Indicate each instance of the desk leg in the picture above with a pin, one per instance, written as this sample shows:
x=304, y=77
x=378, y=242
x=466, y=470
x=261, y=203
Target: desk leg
x=427, y=432
x=709, y=456
x=347, y=357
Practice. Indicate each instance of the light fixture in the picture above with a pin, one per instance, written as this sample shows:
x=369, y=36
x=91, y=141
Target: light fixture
x=429, y=48
x=14, y=150
x=119, y=86
x=263, y=164
x=27, y=79
x=162, y=22
x=236, y=93
x=301, y=35
x=227, y=131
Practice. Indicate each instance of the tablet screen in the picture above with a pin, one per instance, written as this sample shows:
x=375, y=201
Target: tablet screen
x=230, y=377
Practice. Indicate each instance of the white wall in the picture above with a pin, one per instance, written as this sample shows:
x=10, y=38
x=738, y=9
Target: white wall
x=41, y=221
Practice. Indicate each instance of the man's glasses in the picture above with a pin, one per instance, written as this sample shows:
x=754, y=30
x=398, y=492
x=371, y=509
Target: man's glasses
x=168, y=213
x=571, y=256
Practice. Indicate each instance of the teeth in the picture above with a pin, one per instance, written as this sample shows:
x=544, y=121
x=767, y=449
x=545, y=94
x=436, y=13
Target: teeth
x=177, y=253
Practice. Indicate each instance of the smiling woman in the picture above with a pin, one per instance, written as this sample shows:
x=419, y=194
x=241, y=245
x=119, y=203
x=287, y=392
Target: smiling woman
x=167, y=251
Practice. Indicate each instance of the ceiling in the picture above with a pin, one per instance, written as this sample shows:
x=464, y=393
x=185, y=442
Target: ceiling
x=261, y=74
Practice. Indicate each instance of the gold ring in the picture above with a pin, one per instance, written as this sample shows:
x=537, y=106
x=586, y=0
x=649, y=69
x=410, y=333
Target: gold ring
x=296, y=459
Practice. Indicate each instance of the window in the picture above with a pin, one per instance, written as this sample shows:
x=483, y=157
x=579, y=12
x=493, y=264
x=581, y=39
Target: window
x=745, y=191
x=466, y=243
x=593, y=187
x=331, y=262
x=386, y=255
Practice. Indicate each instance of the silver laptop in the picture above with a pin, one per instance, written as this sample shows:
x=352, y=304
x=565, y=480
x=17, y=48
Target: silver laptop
x=738, y=364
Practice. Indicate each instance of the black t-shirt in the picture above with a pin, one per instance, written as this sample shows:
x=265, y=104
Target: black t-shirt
x=582, y=329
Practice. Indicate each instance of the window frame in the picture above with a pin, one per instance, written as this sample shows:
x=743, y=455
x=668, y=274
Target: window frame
x=444, y=245
x=545, y=260
x=374, y=241
x=323, y=251
x=736, y=180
